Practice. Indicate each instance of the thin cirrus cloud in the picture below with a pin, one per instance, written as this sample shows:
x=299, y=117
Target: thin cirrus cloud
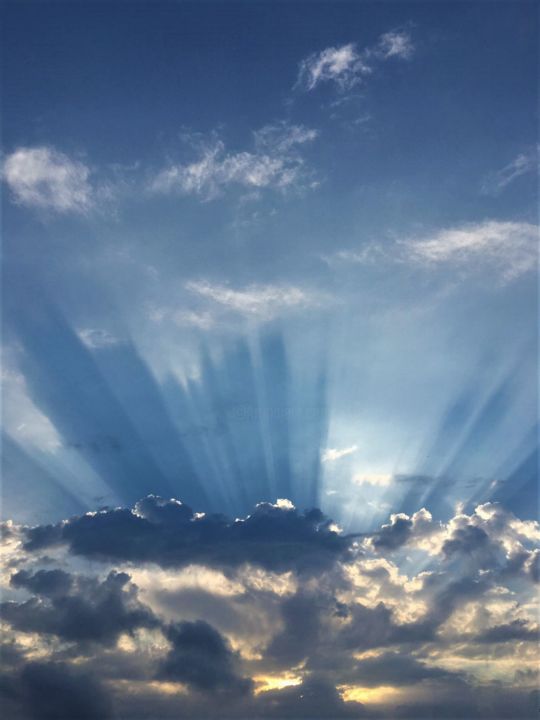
x=275, y=162
x=375, y=479
x=97, y=338
x=256, y=301
x=45, y=178
x=523, y=164
x=42, y=177
x=332, y=454
x=347, y=66
x=506, y=248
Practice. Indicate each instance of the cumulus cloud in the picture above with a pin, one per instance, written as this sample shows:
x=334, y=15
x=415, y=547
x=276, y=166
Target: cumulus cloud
x=275, y=162
x=167, y=532
x=200, y=657
x=347, y=66
x=242, y=620
x=42, y=177
x=77, y=609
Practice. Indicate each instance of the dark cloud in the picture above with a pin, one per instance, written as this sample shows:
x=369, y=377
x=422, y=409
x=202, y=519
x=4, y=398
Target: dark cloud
x=393, y=668
x=394, y=535
x=170, y=534
x=43, y=582
x=466, y=540
x=516, y=630
x=53, y=691
x=200, y=657
x=301, y=615
x=343, y=600
x=85, y=610
x=58, y=692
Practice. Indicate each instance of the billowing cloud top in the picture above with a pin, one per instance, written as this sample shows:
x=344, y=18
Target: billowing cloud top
x=277, y=614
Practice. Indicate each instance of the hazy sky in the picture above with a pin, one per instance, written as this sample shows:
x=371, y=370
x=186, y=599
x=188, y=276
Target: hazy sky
x=278, y=253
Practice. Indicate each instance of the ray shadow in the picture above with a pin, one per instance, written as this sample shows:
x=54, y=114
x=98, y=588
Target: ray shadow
x=253, y=431
x=67, y=385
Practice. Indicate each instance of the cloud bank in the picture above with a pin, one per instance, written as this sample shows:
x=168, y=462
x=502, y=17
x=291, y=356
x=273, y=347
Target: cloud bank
x=158, y=609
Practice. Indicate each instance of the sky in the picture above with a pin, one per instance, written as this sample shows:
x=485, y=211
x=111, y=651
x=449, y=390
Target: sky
x=269, y=359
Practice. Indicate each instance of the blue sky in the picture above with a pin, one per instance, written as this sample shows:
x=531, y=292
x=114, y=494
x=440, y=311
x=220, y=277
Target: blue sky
x=279, y=256
x=199, y=179
x=340, y=202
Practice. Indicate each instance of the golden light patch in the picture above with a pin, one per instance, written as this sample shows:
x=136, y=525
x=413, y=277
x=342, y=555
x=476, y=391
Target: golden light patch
x=264, y=683
x=126, y=644
x=368, y=654
x=137, y=686
x=373, y=695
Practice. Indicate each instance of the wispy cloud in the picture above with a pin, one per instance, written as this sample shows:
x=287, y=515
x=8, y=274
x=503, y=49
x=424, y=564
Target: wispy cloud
x=95, y=338
x=347, y=66
x=523, y=164
x=274, y=162
x=395, y=43
x=508, y=249
x=375, y=479
x=42, y=177
x=331, y=454
x=258, y=301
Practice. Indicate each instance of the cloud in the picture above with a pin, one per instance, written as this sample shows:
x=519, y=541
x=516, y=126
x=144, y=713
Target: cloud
x=44, y=178
x=57, y=691
x=77, y=608
x=342, y=65
x=376, y=479
x=523, y=164
x=200, y=657
x=395, y=669
x=263, y=301
x=95, y=338
x=167, y=532
x=507, y=249
x=396, y=43
x=274, y=163
x=331, y=454
x=234, y=623
x=347, y=66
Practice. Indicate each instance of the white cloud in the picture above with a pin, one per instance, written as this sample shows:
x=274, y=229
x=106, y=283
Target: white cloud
x=376, y=479
x=342, y=65
x=331, y=454
x=396, y=43
x=191, y=318
x=274, y=163
x=42, y=177
x=94, y=338
x=347, y=66
x=263, y=301
x=523, y=164
x=507, y=249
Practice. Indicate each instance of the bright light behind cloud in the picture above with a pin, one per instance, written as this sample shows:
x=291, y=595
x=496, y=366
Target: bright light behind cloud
x=269, y=316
